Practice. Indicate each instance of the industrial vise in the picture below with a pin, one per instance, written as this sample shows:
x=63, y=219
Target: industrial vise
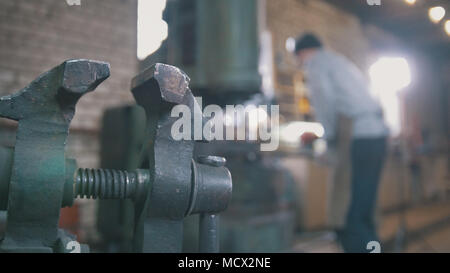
x=37, y=179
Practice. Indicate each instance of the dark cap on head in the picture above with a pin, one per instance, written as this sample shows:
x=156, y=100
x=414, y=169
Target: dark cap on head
x=307, y=41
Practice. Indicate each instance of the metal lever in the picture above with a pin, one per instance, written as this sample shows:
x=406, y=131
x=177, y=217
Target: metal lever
x=209, y=233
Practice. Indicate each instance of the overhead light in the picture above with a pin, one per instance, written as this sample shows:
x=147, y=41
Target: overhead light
x=436, y=14
x=447, y=27
x=410, y=2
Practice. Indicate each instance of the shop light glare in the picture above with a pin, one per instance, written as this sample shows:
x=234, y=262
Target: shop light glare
x=436, y=14
x=447, y=27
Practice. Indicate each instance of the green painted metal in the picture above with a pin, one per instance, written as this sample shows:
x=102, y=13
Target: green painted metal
x=37, y=179
x=6, y=159
x=159, y=225
x=175, y=192
x=43, y=110
x=180, y=186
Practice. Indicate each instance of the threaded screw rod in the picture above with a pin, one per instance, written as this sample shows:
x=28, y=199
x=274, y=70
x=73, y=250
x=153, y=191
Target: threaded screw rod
x=109, y=184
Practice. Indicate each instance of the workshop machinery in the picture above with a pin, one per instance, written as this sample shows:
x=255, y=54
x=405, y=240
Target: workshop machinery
x=37, y=179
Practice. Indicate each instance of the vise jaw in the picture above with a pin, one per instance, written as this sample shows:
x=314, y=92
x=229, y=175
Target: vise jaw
x=44, y=110
x=40, y=179
x=179, y=185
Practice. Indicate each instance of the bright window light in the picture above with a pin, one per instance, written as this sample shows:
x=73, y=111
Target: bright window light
x=151, y=28
x=388, y=76
x=436, y=14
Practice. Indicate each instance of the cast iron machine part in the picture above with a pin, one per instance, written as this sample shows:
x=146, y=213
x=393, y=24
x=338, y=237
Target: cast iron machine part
x=180, y=186
x=33, y=189
x=172, y=188
x=175, y=185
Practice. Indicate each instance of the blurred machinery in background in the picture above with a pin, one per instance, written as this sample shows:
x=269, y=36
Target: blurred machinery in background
x=217, y=43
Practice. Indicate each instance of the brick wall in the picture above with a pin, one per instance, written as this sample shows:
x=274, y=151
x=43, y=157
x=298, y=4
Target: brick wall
x=340, y=30
x=38, y=35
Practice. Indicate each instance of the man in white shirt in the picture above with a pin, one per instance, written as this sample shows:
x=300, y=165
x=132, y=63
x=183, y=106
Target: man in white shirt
x=338, y=87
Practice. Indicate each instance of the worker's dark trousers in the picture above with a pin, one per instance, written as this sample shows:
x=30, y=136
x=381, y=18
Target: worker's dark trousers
x=367, y=156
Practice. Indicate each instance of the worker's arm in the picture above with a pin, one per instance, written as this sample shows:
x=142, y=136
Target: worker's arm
x=354, y=98
x=323, y=100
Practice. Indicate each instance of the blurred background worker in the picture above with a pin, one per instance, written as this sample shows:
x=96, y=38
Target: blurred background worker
x=338, y=88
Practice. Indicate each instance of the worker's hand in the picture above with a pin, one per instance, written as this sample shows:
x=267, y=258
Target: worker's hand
x=308, y=138
x=329, y=157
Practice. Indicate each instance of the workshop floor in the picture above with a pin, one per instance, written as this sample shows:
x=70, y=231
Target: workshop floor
x=427, y=226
